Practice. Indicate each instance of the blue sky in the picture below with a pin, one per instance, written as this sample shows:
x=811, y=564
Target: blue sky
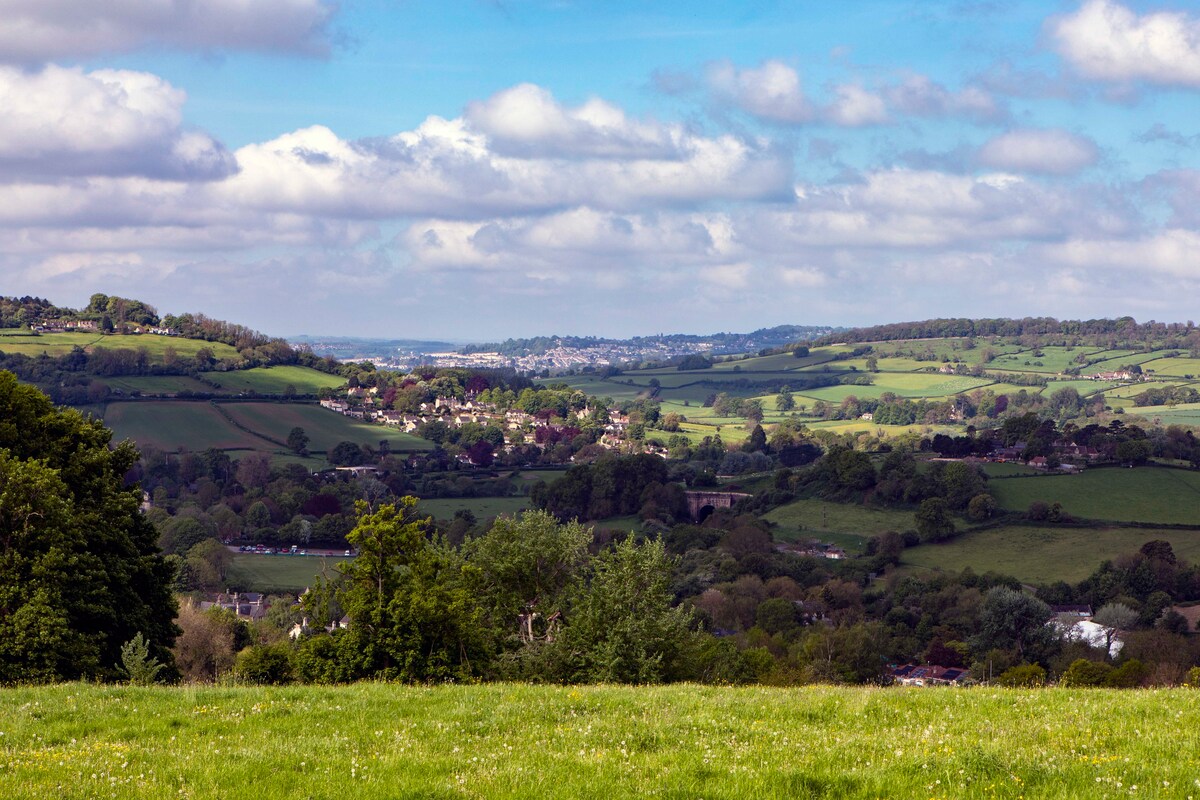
x=478, y=170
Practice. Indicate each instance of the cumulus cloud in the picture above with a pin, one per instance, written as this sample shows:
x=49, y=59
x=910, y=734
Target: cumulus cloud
x=449, y=168
x=1106, y=41
x=920, y=96
x=36, y=31
x=1173, y=252
x=855, y=107
x=914, y=209
x=568, y=242
x=61, y=122
x=526, y=120
x=770, y=92
x=1044, y=152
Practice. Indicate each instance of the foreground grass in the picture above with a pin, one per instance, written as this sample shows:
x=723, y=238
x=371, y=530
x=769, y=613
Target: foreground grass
x=497, y=741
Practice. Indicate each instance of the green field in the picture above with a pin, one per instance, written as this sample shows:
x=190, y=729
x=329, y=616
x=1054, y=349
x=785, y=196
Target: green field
x=1052, y=360
x=274, y=380
x=1182, y=414
x=1008, y=469
x=1175, y=367
x=252, y=572
x=1044, y=554
x=818, y=519
x=482, y=507
x=1113, y=364
x=57, y=344
x=166, y=385
x=1145, y=494
x=382, y=741
x=324, y=428
x=170, y=425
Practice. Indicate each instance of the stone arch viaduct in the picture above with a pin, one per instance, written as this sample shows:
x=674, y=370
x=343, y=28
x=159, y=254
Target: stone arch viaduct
x=701, y=504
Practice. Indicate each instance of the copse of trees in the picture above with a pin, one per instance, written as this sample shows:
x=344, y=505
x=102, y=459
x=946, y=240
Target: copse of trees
x=80, y=575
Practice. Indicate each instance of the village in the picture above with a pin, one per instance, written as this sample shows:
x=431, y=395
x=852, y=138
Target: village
x=520, y=428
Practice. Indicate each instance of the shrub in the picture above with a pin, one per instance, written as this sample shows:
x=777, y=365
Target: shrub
x=1023, y=675
x=265, y=664
x=1086, y=673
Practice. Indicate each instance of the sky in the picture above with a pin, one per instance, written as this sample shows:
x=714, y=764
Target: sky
x=470, y=170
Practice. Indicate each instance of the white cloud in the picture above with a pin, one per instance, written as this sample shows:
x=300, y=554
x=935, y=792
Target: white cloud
x=919, y=96
x=35, y=31
x=855, y=107
x=526, y=120
x=1172, y=252
x=569, y=242
x=66, y=122
x=1045, y=152
x=771, y=91
x=447, y=168
x=1107, y=41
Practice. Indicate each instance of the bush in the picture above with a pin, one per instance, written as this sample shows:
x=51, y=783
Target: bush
x=265, y=664
x=1128, y=675
x=1193, y=678
x=1086, y=673
x=1023, y=676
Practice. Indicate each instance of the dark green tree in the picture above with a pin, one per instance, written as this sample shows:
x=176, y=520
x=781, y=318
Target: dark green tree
x=297, y=441
x=933, y=520
x=80, y=573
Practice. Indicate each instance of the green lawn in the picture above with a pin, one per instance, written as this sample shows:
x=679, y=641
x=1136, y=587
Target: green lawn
x=382, y=741
x=1044, y=554
x=324, y=427
x=1145, y=494
x=252, y=572
x=169, y=425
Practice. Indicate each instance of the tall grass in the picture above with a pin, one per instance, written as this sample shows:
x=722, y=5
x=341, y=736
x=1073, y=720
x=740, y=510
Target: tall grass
x=502, y=741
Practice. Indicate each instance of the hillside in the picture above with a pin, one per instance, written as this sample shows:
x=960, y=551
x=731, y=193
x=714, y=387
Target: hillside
x=519, y=741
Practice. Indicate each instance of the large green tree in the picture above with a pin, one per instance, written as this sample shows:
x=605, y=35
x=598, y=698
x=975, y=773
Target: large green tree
x=413, y=616
x=80, y=572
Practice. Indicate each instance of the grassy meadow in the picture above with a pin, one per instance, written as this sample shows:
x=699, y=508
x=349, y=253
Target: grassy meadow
x=325, y=428
x=371, y=741
x=171, y=425
x=278, y=573
x=482, y=507
x=58, y=344
x=1044, y=554
x=1145, y=494
x=850, y=524
x=274, y=380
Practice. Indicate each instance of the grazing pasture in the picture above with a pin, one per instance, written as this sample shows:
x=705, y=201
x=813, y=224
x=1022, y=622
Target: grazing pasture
x=377, y=741
x=816, y=519
x=325, y=428
x=170, y=425
x=1045, y=359
x=272, y=574
x=1044, y=554
x=483, y=508
x=1146, y=494
x=161, y=385
x=274, y=380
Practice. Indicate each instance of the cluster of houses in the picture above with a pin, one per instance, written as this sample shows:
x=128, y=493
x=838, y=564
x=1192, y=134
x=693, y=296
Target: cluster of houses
x=91, y=326
x=361, y=403
x=64, y=326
